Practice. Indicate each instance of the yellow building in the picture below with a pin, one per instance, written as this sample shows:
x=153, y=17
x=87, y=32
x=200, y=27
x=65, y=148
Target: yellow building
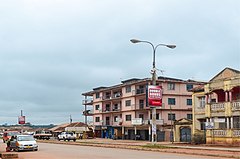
x=216, y=109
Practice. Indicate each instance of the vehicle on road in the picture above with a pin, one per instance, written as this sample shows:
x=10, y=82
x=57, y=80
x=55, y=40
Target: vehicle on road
x=42, y=135
x=23, y=142
x=8, y=134
x=67, y=136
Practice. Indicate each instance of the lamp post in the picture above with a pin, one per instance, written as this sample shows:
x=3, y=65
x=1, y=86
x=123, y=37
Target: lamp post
x=154, y=79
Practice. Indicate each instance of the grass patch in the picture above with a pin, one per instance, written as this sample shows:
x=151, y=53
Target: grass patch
x=156, y=146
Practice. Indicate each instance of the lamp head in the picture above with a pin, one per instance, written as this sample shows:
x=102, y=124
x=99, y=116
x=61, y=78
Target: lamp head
x=171, y=46
x=135, y=41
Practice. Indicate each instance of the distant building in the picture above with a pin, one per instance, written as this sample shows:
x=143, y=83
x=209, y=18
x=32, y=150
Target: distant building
x=113, y=109
x=216, y=108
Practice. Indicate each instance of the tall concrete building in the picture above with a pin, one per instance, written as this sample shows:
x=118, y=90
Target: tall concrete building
x=121, y=111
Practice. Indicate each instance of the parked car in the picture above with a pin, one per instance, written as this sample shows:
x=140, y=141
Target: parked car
x=42, y=135
x=23, y=142
x=8, y=134
x=67, y=136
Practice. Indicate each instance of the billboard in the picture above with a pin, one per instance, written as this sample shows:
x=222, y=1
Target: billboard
x=21, y=120
x=154, y=95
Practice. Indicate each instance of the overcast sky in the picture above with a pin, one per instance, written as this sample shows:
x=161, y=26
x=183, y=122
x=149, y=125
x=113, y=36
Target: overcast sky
x=51, y=51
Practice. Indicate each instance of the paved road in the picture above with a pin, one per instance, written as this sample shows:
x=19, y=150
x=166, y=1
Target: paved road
x=58, y=151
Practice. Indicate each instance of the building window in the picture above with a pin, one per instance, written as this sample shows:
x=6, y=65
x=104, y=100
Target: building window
x=108, y=107
x=201, y=102
x=97, y=119
x=107, y=120
x=171, y=116
x=223, y=125
x=171, y=101
x=189, y=86
x=115, y=118
x=189, y=116
x=128, y=102
x=189, y=101
x=97, y=107
x=128, y=89
x=202, y=125
x=128, y=117
x=141, y=104
x=97, y=95
x=236, y=122
x=141, y=116
x=171, y=86
x=157, y=116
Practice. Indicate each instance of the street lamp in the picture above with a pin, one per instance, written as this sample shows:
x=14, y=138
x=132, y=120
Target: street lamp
x=154, y=77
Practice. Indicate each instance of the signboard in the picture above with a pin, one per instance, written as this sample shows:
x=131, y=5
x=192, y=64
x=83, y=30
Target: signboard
x=137, y=121
x=209, y=125
x=154, y=95
x=21, y=120
x=219, y=120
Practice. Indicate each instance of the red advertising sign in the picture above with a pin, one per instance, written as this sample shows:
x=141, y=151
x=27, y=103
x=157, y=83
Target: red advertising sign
x=21, y=120
x=154, y=95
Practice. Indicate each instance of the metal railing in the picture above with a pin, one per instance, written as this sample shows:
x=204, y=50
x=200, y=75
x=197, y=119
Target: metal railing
x=218, y=107
x=220, y=133
x=236, y=133
x=87, y=101
x=236, y=106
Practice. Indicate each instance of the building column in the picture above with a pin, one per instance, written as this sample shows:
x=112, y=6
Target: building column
x=226, y=96
x=209, y=98
x=231, y=118
x=230, y=96
x=206, y=99
x=135, y=132
x=227, y=122
x=207, y=120
x=123, y=132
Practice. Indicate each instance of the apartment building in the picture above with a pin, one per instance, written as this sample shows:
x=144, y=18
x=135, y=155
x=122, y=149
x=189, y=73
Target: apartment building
x=216, y=109
x=115, y=109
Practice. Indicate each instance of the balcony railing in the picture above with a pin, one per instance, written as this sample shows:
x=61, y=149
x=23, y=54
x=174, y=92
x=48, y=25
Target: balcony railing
x=220, y=133
x=88, y=112
x=116, y=109
x=200, y=109
x=236, y=133
x=140, y=91
x=218, y=107
x=235, y=106
x=87, y=101
x=140, y=107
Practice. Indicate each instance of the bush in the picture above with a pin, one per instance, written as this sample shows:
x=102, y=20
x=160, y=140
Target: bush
x=199, y=138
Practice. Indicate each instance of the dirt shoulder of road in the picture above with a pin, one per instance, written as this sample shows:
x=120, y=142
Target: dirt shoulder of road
x=143, y=146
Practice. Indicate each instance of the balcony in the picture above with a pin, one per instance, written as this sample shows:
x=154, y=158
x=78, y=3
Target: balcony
x=235, y=106
x=218, y=107
x=200, y=110
x=140, y=91
x=117, y=95
x=140, y=106
x=88, y=113
x=236, y=133
x=87, y=101
x=116, y=109
x=106, y=97
x=220, y=133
